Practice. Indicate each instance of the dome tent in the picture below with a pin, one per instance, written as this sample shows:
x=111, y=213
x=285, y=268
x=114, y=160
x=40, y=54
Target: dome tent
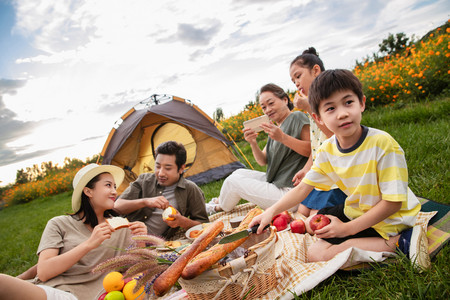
x=132, y=142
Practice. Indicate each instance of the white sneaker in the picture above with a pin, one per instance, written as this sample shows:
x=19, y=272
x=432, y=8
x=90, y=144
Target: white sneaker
x=414, y=243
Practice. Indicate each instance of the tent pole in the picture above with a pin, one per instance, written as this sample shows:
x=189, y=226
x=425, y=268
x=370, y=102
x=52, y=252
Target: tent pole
x=243, y=155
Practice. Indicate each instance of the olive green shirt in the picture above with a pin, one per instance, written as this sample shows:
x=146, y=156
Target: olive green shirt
x=189, y=197
x=282, y=161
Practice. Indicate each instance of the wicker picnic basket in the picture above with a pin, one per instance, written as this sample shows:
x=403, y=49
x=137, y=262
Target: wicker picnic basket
x=251, y=276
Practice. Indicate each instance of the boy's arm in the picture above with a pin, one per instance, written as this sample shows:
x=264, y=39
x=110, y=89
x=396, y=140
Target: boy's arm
x=381, y=211
x=291, y=199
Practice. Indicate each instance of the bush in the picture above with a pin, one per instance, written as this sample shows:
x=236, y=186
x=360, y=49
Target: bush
x=233, y=125
x=50, y=185
x=411, y=75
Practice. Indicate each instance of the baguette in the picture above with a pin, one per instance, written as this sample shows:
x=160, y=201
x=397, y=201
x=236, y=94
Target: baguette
x=205, y=260
x=168, y=278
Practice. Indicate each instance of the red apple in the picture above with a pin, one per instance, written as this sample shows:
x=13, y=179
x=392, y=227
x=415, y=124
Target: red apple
x=284, y=215
x=318, y=221
x=280, y=223
x=102, y=296
x=298, y=226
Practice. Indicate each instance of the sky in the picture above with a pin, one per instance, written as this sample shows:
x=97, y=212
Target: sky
x=69, y=69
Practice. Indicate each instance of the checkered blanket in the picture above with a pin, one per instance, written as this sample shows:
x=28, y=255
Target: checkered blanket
x=294, y=274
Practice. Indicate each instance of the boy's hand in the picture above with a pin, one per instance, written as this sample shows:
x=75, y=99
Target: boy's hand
x=336, y=229
x=262, y=219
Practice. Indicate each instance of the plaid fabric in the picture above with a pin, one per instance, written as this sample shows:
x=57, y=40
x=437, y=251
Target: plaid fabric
x=438, y=232
x=295, y=274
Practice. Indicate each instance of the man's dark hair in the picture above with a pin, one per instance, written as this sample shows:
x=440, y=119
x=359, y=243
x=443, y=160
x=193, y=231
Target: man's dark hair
x=173, y=148
x=331, y=81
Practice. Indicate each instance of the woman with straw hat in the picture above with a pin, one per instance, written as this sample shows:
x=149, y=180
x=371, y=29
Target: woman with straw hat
x=72, y=245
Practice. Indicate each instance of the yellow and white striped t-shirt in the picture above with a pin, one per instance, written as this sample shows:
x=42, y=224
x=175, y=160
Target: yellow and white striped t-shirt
x=372, y=170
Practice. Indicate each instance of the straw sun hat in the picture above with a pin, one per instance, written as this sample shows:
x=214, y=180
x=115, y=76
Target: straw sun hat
x=85, y=174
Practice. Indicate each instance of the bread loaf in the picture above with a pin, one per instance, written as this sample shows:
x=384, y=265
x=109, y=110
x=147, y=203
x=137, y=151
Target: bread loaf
x=168, y=278
x=205, y=260
x=118, y=222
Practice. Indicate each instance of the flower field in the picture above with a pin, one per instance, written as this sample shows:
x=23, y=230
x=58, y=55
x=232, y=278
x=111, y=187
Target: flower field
x=419, y=71
x=50, y=185
x=410, y=76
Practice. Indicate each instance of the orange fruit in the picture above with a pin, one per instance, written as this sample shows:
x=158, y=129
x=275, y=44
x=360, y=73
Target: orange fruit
x=113, y=281
x=167, y=212
x=128, y=291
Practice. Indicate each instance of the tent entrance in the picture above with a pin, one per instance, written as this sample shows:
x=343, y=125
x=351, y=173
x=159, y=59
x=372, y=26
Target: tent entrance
x=154, y=136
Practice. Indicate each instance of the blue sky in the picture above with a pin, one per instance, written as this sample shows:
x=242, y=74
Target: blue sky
x=69, y=69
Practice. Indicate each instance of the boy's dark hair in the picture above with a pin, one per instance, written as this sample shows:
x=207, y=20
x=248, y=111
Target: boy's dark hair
x=173, y=148
x=331, y=81
x=88, y=213
x=308, y=59
x=278, y=92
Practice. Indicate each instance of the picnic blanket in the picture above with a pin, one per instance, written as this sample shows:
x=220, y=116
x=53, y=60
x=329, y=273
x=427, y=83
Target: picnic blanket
x=294, y=274
x=438, y=231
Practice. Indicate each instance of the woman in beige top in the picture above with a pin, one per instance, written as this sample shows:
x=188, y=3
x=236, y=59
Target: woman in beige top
x=71, y=245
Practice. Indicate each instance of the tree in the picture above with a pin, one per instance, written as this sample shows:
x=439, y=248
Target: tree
x=394, y=43
x=218, y=115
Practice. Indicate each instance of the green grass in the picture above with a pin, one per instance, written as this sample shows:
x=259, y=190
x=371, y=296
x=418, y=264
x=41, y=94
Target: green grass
x=21, y=229
x=422, y=131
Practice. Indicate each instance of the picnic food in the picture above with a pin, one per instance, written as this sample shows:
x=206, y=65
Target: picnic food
x=168, y=278
x=195, y=233
x=285, y=215
x=118, y=222
x=113, y=281
x=128, y=291
x=172, y=244
x=280, y=223
x=206, y=259
x=281, y=220
x=115, y=295
x=298, y=226
x=167, y=212
x=318, y=221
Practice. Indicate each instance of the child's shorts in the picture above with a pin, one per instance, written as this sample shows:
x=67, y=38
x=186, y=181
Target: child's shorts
x=56, y=294
x=338, y=211
x=320, y=199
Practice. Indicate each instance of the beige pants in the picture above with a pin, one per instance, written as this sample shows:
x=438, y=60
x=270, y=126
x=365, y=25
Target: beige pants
x=249, y=185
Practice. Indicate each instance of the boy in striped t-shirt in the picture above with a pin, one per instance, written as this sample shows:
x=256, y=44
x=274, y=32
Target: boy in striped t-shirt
x=369, y=166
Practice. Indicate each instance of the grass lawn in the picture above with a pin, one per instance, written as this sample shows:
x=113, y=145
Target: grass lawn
x=423, y=132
